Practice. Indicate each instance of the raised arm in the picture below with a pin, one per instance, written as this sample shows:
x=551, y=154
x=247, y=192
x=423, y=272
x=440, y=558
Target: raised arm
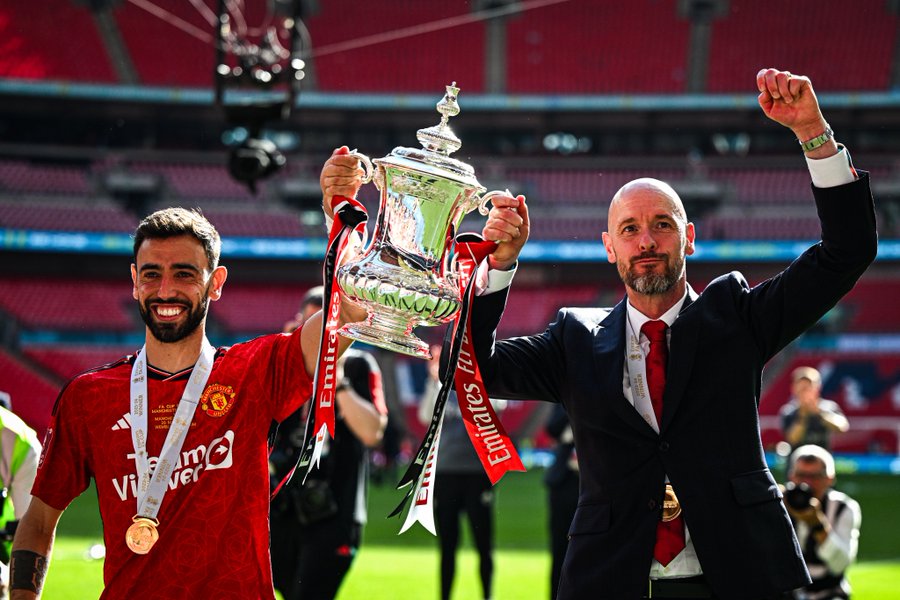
x=341, y=176
x=785, y=306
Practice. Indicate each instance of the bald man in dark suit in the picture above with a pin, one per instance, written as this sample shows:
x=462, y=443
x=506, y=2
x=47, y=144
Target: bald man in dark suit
x=695, y=472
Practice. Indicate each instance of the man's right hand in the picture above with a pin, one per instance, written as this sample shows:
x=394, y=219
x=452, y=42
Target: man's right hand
x=341, y=175
x=509, y=226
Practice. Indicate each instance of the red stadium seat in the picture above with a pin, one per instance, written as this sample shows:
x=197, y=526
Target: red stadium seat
x=32, y=394
x=68, y=361
x=52, y=40
x=70, y=305
x=257, y=309
x=754, y=33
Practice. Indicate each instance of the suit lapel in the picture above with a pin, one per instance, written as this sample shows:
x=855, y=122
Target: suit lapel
x=682, y=351
x=609, y=357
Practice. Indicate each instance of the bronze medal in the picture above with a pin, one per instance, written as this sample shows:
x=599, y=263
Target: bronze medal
x=671, y=507
x=141, y=535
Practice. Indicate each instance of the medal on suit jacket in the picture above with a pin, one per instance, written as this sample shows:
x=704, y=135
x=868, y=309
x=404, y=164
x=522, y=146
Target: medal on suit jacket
x=143, y=532
x=671, y=506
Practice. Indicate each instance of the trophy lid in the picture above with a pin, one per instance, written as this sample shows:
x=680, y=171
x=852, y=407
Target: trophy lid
x=438, y=142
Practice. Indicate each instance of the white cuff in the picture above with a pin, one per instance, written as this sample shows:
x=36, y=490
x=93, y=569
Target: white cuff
x=329, y=221
x=832, y=171
x=489, y=281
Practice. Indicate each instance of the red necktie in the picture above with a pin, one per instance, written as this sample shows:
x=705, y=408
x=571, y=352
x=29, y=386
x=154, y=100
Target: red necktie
x=670, y=539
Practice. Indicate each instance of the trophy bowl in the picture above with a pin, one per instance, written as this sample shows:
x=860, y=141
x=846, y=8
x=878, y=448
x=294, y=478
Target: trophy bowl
x=406, y=278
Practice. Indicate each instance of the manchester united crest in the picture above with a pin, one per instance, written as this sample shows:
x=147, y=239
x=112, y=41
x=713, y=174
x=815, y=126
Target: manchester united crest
x=217, y=399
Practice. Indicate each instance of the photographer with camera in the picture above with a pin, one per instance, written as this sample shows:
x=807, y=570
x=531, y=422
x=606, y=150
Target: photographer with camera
x=827, y=523
x=19, y=452
x=808, y=418
x=316, y=528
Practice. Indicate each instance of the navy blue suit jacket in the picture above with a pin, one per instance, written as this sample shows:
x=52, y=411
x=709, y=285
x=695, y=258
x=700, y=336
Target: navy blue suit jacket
x=709, y=444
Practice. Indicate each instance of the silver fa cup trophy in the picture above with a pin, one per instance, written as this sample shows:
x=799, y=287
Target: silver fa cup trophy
x=406, y=278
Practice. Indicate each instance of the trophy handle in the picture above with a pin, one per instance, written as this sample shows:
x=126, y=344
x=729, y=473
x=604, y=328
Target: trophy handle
x=366, y=162
x=482, y=202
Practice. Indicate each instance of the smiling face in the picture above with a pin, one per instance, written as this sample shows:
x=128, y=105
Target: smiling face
x=649, y=237
x=173, y=286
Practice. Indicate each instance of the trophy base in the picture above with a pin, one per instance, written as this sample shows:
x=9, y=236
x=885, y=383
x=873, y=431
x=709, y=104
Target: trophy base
x=390, y=334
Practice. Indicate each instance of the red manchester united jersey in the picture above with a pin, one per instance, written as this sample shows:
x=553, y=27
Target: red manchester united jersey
x=213, y=522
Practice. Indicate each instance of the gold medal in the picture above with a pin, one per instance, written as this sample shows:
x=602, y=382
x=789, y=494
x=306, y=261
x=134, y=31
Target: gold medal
x=671, y=506
x=141, y=535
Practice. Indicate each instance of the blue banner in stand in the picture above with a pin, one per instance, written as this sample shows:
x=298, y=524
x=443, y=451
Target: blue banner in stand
x=550, y=251
x=122, y=243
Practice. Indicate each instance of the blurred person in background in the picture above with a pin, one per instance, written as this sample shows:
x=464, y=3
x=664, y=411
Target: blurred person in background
x=827, y=523
x=316, y=527
x=19, y=452
x=561, y=479
x=175, y=437
x=460, y=486
x=808, y=418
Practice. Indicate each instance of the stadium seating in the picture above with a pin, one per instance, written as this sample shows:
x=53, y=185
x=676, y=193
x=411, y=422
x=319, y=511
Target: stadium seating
x=171, y=46
x=257, y=309
x=32, y=394
x=27, y=177
x=530, y=309
x=583, y=186
x=67, y=361
x=51, y=40
x=871, y=306
x=597, y=47
x=74, y=215
x=199, y=181
x=573, y=47
x=771, y=226
x=69, y=304
x=738, y=49
x=407, y=49
x=245, y=222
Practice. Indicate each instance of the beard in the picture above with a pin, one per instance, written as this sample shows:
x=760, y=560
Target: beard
x=174, y=332
x=651, y=283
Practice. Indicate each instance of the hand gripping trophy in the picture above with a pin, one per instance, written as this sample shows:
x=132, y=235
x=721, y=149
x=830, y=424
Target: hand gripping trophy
x=407, y=277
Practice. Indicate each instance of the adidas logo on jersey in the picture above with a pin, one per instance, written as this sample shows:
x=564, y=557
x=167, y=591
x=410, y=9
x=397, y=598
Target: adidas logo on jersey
x=124, y=423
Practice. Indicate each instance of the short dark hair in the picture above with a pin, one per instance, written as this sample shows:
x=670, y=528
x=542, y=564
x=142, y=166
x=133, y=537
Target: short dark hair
x=314, y=296
x=176, y=221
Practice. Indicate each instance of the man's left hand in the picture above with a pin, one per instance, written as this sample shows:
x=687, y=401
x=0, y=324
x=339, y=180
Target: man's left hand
x=789, y=99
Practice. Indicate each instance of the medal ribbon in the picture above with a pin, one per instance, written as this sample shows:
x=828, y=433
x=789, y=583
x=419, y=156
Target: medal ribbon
x=493, y=446
x=152, y=489
x=349, y=216
x=637, y=376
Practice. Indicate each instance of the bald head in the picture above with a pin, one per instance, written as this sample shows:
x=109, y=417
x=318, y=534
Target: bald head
x=648, y=238
x=650, y=187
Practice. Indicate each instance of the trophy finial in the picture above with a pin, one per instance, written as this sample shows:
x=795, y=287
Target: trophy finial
x=441, y=138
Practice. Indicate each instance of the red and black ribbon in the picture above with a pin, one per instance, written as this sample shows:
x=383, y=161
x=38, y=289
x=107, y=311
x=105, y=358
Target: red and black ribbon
x=492, y=444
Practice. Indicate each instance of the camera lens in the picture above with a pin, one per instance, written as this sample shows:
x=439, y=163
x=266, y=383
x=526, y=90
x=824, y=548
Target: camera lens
x=797, y=495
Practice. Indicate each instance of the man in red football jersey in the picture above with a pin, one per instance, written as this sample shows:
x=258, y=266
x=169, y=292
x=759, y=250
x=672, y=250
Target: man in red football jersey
x=175, y=436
